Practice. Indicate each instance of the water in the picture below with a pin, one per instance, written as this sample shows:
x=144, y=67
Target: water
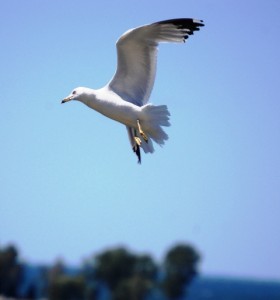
x=208, y=288
x=202, y=287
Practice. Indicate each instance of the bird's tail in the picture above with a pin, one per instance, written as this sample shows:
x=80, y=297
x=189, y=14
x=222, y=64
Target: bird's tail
x=152, y=119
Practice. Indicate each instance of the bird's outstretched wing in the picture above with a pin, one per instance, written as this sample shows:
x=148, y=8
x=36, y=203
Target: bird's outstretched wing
x=137, y=56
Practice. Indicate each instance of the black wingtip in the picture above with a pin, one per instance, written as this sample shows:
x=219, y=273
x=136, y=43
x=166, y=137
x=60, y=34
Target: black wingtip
x=199, y=23
x=185, y=23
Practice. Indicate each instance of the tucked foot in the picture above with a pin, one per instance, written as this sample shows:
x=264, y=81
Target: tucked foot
x=144, y=136
x=137, y=140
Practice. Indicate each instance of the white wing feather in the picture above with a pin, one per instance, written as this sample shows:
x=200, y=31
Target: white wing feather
x=137, y=56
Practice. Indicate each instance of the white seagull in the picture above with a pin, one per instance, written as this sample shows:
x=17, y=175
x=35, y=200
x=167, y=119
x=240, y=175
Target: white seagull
x=124, y=98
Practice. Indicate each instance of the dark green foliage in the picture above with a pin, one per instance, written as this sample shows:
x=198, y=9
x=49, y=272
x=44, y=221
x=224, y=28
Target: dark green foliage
x=67, y=288
x=10, y=271
x=129, y=276
x=180, y=267
x=145, y=267
x=56, y=270
x=134, y=288
x=117, y=272
x=113, y=266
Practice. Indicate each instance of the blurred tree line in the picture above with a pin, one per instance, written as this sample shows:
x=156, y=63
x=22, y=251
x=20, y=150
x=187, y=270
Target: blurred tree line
x=116, y=274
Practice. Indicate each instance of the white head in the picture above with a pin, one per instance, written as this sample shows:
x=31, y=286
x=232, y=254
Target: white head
x=78, y=93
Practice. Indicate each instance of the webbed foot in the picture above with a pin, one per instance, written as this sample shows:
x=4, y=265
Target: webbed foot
x=144, y=136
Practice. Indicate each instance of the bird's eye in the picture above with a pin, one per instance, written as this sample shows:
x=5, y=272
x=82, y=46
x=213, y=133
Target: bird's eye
x=74, y=92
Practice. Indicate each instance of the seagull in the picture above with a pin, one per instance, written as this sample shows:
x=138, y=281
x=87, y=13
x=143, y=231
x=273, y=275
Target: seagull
x=125, y=97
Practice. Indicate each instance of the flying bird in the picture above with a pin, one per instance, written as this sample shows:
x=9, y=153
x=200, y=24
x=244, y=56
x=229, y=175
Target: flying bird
x=125, y=97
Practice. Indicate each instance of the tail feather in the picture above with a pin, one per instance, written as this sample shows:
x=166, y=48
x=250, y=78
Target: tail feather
x=153, y=118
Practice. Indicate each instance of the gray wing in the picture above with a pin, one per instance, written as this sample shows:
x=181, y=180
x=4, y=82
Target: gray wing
x=137, y=56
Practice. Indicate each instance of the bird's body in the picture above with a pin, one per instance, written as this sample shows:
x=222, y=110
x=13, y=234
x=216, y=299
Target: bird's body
x=111, y=105
x=124, y=98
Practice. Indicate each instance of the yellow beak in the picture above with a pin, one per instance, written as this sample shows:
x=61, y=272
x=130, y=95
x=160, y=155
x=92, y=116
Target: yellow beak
x=67, y=99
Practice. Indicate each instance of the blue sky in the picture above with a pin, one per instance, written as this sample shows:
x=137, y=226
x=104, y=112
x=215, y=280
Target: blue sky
x=70, y=185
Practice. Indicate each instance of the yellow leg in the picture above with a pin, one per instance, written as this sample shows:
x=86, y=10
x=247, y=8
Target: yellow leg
x=137, y=140
x=142, y=132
